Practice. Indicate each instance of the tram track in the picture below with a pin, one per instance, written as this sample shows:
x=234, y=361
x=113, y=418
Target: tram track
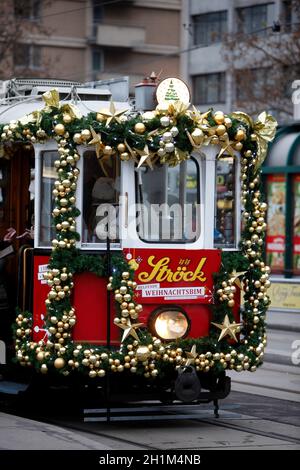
x=270, y=435
x=159, y=417
x=215, y=422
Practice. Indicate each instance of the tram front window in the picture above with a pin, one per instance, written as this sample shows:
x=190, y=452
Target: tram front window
x=46, y=232
x=168, y=199
x=224, y=232
x=101, y=188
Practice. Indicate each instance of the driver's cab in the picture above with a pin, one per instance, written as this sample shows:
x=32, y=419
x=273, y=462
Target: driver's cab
x=194, y=205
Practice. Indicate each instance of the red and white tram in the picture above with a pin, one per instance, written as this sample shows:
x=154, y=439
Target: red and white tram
x=142, y=247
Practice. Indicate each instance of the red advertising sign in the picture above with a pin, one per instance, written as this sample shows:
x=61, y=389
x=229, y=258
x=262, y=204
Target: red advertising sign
x=41, y=290
x=296, y=234
x=174, y=275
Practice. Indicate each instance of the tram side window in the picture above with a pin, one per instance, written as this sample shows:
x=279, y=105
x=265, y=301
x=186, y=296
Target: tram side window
x=168, y=203
x=225, y=205
x=100, y=207
x=47, y=200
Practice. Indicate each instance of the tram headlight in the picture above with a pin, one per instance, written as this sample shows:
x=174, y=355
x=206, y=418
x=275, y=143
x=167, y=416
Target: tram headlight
x=169, y=324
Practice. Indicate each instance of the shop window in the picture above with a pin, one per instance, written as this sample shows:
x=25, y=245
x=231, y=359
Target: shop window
x=225, y=206
x=100, y=205
x=48, y=176
x=296, y=225
x=276, y=199
x=168, y=202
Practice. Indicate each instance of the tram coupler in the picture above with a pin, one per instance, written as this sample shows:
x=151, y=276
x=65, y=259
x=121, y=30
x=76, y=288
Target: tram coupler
x=187, y=384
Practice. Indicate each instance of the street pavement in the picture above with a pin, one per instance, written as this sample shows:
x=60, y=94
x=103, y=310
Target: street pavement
x=246, y=422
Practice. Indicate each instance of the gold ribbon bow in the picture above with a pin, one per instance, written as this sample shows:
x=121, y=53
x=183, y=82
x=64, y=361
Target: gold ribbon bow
x=51, y=99
x=264, y=128
x=34, y=117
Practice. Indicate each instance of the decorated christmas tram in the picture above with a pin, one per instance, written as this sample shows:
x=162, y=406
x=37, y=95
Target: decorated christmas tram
x=147, y=268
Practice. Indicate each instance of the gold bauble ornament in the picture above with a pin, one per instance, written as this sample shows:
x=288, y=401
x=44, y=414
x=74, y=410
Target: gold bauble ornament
x=125, y=156
x=139, y=128
x=240, y=135
x=138, y=308
x=142, y=353
x=221, y=129
x=63, y=202
x=59, y=363
x=67, y=118
x=107, y=150
x=119, y=297
x=219, y=117
x=85, y=134
x=59, y=129
x=65, y=224
x=197, y=136
x=227, y=122
x=125, y=275
x=44, y=369
x=121, y=148
x=40, y=356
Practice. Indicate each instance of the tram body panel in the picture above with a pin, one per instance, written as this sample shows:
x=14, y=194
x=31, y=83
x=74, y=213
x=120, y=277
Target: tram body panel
x=192, y=182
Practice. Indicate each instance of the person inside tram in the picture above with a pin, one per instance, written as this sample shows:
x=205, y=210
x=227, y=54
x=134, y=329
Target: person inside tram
x=100, y=201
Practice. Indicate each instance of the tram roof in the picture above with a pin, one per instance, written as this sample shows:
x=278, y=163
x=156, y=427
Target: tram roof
x=15, y=111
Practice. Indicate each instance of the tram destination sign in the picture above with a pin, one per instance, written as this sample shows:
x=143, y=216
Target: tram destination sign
x=173, y=275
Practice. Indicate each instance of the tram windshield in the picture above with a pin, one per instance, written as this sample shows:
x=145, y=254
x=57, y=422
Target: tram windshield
x=100, y=205
x=168, y=199
x=225, y=208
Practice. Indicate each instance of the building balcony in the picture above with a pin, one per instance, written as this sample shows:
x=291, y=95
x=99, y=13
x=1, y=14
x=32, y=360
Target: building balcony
x=119, y=36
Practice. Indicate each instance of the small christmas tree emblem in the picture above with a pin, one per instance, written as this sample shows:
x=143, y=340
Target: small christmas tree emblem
x=171, y=93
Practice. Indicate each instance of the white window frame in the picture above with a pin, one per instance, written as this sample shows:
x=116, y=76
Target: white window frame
x=127, y=218
x=39, y=149
x=237, y=202
x=79, y=204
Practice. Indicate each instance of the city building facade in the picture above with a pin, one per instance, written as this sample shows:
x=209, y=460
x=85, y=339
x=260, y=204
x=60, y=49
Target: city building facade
x=215, y=78
x=86, y=40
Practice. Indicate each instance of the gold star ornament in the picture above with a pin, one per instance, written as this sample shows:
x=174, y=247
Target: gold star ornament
x=145, y=157
x=112, y=114
x=129, y=329
x=227, y=328
x=96, y=140
x=191, y=355
x=235, y=277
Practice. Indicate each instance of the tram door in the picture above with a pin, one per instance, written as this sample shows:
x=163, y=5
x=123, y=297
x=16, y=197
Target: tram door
x=16, y=208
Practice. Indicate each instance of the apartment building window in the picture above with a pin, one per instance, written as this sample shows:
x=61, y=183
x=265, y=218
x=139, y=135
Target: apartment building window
x=97, y=12
x=255, y=19
x=209, y=88
x=27, y=9
x=27, y=56
x=209, y=28
x=290, y=16
x=97, y=59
